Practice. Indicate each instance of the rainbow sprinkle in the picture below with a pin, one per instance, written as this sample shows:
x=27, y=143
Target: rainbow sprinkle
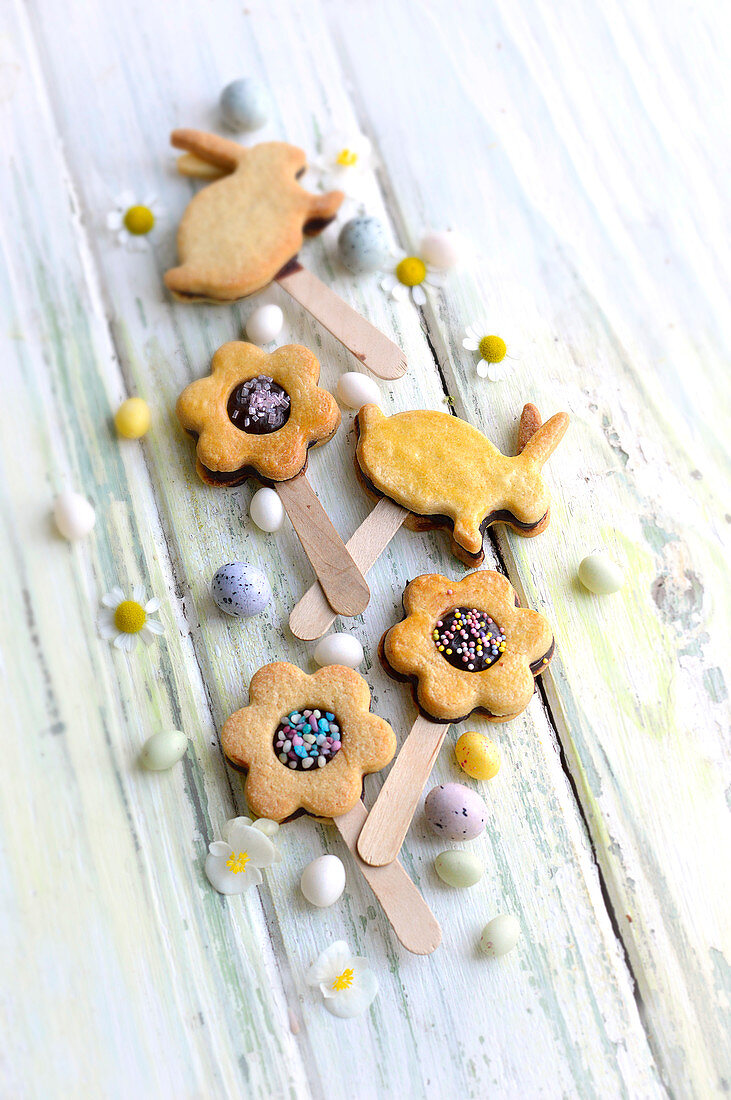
x=469, y=639
x=307, y=739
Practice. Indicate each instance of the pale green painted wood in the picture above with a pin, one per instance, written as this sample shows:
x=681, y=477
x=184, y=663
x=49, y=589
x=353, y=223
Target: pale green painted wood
x=150, y=984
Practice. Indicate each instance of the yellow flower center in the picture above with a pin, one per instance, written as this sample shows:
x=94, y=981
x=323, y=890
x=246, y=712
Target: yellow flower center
x=346, y=158
x=237, y=863
x=130, y=617
x=139, y=220
x=493, y=349
x=411, y=271
x=344, y=980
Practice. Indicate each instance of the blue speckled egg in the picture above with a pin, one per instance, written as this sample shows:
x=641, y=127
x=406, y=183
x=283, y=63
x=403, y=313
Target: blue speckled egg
x=240, y=589
x=363, y=245
x=455, y=812
x=245, y=104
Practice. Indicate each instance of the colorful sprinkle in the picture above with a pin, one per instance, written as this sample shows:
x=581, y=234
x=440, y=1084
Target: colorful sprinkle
x=259, y=406
x=469, y=639
x=306, y=740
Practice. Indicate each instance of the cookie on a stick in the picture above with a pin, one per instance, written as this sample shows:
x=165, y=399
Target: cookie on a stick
x=245, y=230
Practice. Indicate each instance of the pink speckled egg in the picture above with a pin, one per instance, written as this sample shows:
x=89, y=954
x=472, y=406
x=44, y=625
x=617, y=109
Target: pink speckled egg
x=455, y=812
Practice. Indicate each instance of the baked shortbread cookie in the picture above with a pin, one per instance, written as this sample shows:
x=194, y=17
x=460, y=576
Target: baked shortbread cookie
x=257, y=414
x=447, y=474
x=467, y=645
x=306, y=741
x=246, y=226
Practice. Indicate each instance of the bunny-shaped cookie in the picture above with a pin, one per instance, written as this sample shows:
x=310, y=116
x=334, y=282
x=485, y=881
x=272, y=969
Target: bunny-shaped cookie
x=242, y=230
x=447, y=474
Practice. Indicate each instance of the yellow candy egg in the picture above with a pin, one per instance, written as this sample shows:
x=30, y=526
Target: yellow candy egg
x=477, y=755
x=132, y=418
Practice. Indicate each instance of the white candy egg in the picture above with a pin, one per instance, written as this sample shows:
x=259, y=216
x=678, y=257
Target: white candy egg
x=73, y=515
x=163, y=749
x=264, y=324
x=601, y=575
x=440, y=249
x=500, y=935
x=354, y=390
x=267, y=510
x=323, y=881
x=339, y=649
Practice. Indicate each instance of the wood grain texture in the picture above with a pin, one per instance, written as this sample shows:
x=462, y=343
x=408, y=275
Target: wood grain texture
x=555, y=142
x=388, y=822
x=312, y=616
x=369, y=345
x=342, y=582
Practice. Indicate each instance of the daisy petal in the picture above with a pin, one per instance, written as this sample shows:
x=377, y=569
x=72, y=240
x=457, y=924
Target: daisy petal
x=153, y=605
x=388, y=283
x=125, y=200
x=154, y=626
x=107, y=631
x=138, y=593
x=114, y=221
x=113, y=598
x=470, y=343
x=482, y=368
x=495, y=372
x=418, y=295
x=399, y=292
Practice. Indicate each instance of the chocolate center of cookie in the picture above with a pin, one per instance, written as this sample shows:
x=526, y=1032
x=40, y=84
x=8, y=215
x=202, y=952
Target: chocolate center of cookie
x=307, y=739
x=259, y=406
x=469, y=639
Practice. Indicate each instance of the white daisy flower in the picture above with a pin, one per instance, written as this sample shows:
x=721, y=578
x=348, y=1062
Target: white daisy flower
x=347, y=983
x=343, y=161
x=234, y=865
x=493, y=352
x=131, y=221
x=123, y=620
x=409, y=275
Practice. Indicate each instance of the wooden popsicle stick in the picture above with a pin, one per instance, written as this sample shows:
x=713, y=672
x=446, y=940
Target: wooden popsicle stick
x=409, y=915
x=367, y=343
x=312, y=616
x=388, y=821
x=342, y=582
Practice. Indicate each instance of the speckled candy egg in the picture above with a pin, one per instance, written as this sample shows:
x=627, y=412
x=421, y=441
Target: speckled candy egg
x=477, y=755
x=132, y=419
x=73, y=515
x=455, y=812
x=363, y=245
x=601, y=575
x=323, y=881
x=163, y=749
x=339, y=649
x=264, y=324
x=355, y=390
x=458, y=869
x=267, y=510
x=241, y=590
x=245, y=104
x=500, y=935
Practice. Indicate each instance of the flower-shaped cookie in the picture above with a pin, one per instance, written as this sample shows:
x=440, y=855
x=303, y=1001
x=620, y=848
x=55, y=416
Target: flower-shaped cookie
x=257, y=414
x=306, y=741
x=466, y=645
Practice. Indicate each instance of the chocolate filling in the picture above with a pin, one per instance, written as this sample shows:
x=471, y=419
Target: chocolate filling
x=468, y=639
x=259, y=406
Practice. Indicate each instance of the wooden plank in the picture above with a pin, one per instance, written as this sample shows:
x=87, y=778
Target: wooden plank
x=590, y=141
x=184, y=991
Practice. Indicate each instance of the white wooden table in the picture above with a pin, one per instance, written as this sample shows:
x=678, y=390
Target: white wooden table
x=580, y=148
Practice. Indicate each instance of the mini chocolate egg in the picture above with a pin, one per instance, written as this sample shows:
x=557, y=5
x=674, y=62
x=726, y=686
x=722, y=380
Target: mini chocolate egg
x=455, y=812
x=323, y=881
x=73, y=515
x=458, y=869
x=477, y=755
x=240, y=589
x=354, y=390
x=440, y=249
x=601, y=575
x=363, y=245
x=132, y=418
x=245, y=104
x=163, y=749
x=267, y=510
x=264, y=324
x=500, y=935
x=339, y=649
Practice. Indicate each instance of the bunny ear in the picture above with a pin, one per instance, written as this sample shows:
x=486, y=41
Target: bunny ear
x=541, y=445
x=210, y=148
x=530, y=422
